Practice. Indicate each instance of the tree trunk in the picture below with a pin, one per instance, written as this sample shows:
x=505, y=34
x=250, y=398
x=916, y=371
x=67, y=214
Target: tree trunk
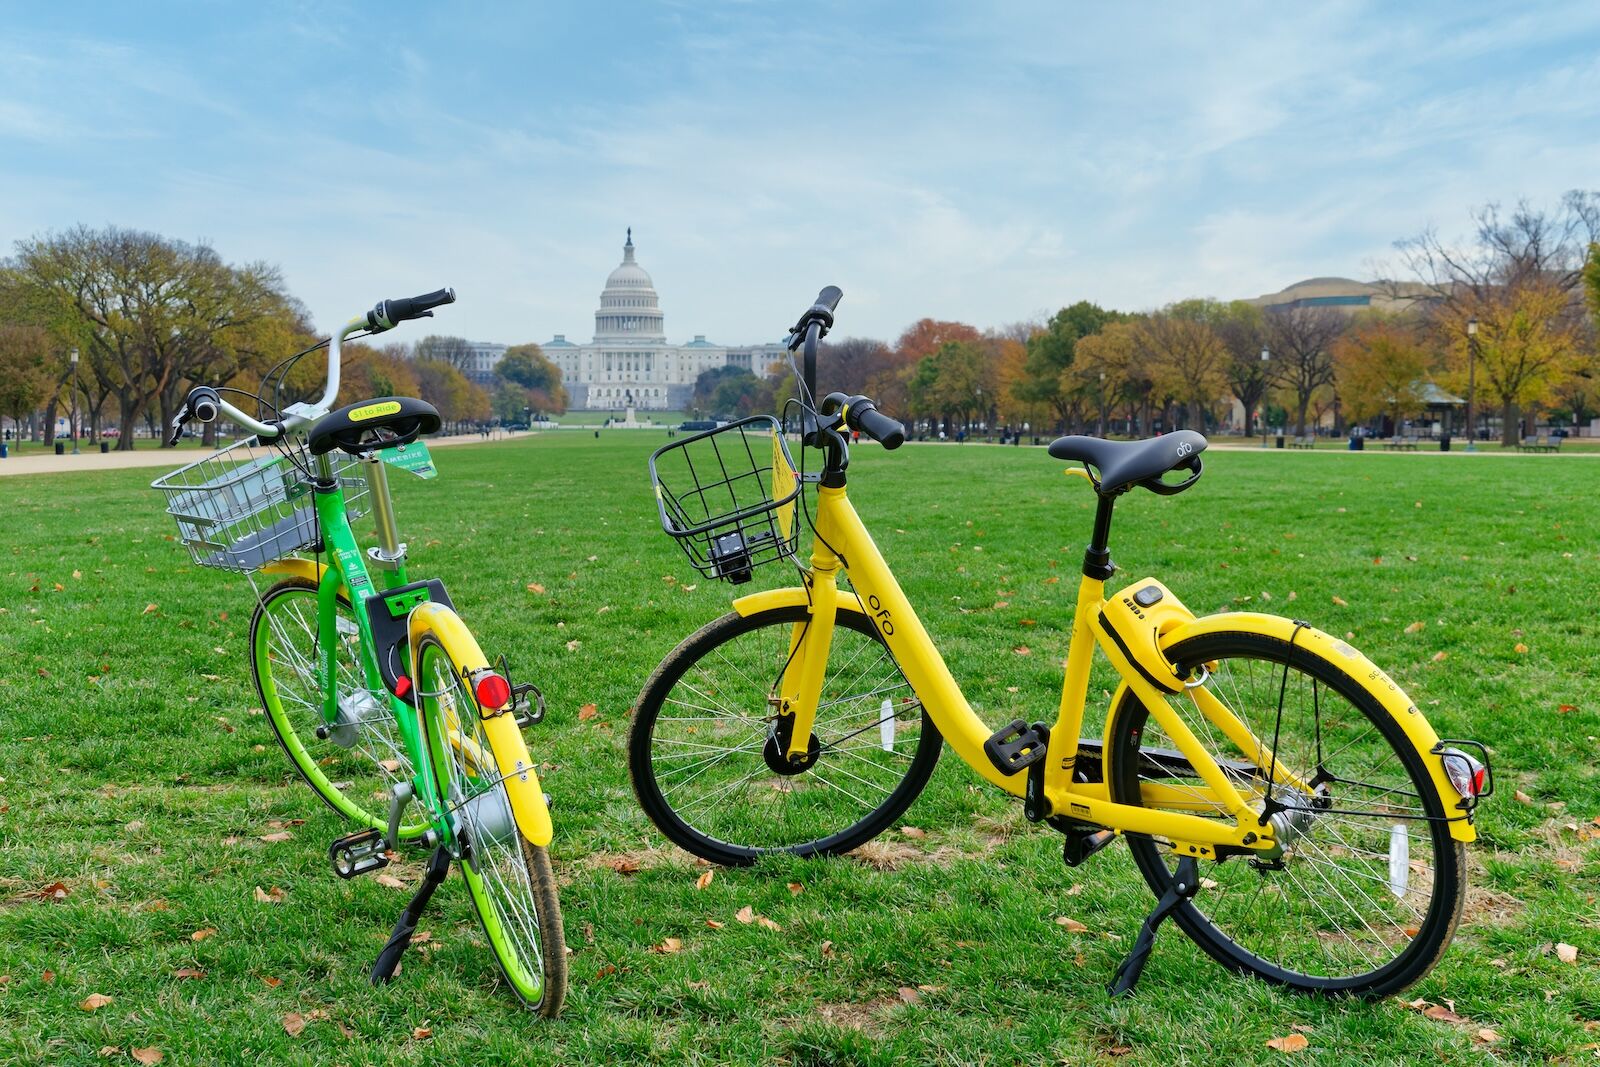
x=1509, y=425
x=50, y=423
x=128, y=416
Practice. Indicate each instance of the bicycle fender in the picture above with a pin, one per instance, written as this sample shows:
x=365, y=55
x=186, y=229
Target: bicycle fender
x=295, y=567
x=793, y=597
x=1338, y=654
x=510, y=751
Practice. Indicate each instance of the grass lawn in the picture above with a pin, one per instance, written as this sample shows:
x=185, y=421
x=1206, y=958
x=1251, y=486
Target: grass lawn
x=135, y=773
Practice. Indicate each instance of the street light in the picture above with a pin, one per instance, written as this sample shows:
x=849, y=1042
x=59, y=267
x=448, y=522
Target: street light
x=75, y=402
x=1472, y=383
x=1266, y=357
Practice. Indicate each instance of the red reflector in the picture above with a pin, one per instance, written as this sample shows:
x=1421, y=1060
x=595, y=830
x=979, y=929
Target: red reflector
x=402, y=686
x=1478, y=780
x=494, y=692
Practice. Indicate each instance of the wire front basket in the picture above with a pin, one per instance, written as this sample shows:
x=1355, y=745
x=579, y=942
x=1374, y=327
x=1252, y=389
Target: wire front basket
x=728, y=497
x=251, y=503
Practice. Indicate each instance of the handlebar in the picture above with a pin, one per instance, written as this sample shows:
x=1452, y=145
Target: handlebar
x=863, y=416
x=203, y=400
x=391, y=313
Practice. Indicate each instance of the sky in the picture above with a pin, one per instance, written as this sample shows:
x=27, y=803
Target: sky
x=988, y=163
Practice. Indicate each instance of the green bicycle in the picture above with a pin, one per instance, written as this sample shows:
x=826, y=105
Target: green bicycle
x=378, y=693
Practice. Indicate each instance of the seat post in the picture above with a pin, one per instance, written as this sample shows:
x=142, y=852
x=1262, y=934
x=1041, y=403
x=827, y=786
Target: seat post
x=1097, y=557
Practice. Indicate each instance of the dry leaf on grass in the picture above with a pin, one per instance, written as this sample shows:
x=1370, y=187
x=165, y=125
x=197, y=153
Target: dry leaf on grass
x=275, y=838
x=913, y=831
x=587, y=712
x=767, y=923
x=94, y=1002
x=1566, y=953
x=535, y=587
x=1521, y=797
x=269, y=896
x=1340, y=601
x=272, y=983
x=746, y=915
x=909, y=995
x=294, y=1023
x=1289, y=1043
x=1487, y=1036
x=704, y=879
x=1071, y=926
x=668, y=946
x=422, y=1033
x=201, y=935
x=389, y=881
x=188, y=972
x=1415, y=627
x=796, y=888
x=147, y=1056
x=714, y=924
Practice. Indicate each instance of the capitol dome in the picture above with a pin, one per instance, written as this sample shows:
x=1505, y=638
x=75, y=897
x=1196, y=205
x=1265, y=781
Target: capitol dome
x=629, y=307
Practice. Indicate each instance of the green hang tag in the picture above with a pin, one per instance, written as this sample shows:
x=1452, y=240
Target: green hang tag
x=413, y=457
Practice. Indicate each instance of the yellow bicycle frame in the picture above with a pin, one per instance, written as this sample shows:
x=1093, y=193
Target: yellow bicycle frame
x=842, y=537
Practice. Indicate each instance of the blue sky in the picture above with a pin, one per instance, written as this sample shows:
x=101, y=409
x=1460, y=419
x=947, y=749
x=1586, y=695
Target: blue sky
x=988, y=163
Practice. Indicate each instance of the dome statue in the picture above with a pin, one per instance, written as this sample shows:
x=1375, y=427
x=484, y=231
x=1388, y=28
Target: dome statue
x=629, y=307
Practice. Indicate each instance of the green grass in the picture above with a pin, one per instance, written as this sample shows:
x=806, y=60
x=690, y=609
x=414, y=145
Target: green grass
x=136, y=774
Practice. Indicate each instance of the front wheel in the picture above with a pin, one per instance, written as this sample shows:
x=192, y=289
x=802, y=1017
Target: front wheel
x=1369, y=885
x=703, y=750
x=508, y=877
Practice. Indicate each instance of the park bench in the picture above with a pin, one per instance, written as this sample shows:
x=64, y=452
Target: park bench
x=1529, y=443
x=1547, y=443
x=1402, y=443
x=1308, y=441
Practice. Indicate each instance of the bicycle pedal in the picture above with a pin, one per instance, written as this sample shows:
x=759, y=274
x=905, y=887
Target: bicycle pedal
x=359, y=853
x=1016, y=747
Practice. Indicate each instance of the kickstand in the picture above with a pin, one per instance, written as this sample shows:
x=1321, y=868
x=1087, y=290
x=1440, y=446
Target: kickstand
x=388, y=962
x=1184, y=882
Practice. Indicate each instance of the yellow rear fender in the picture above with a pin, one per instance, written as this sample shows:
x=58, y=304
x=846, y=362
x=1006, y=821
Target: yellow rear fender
x=510, y=752
x=1338, y=654
x=793, y=597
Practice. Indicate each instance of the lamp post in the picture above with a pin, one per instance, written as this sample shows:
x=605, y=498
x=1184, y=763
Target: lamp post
x=1266, y=357
x=75, y=402
x=1472, y=384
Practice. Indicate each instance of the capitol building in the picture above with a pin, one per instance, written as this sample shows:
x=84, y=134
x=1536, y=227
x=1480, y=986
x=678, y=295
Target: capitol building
x=630, y=363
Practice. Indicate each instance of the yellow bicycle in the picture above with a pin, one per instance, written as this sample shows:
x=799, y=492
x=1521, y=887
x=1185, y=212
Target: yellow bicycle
x=1288, y=805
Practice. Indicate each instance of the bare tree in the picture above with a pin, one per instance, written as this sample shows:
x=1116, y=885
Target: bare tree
x=1243, y=329
x=1301, y=343
x=456, y=351
x=1189, y=354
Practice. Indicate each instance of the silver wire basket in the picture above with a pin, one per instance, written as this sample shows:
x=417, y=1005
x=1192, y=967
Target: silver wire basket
x=249, y=504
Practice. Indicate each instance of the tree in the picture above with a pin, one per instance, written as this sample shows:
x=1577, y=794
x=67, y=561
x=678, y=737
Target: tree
x=371, y=372
x=1189, y=355
x=150, y=314
x=25, y=371
x=1106, y=365
x=527, y=368
x=456, y=351
x=443, y=385
x=1301, y=343
x=1519, y=275
x=1381, y=367
x=1050, y=352
x=1243, y=329
x=852, y=363
x=954, y=381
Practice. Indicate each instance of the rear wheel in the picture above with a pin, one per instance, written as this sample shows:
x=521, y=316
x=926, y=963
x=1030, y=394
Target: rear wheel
x=704, y=748
x=508, y=877
x=1368, y=889
x=353, y=768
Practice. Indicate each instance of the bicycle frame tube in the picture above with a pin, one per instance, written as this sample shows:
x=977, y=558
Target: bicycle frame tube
x=852, y=549
x=347, y=568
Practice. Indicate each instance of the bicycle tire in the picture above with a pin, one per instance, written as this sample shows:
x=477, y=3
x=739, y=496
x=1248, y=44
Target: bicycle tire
x=725, y=664
x=503, y=871
x=1363, y=927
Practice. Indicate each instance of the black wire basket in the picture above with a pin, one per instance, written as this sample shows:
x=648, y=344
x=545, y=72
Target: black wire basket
x=727, y=496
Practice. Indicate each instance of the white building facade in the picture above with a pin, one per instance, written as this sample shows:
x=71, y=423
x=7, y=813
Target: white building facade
x=630, y=363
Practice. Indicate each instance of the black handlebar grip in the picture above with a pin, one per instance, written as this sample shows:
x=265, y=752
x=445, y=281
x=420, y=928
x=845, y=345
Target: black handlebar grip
x=204, y=403
x=862, y=414
x=390, y=313
x=821, y=312
x=828, y=299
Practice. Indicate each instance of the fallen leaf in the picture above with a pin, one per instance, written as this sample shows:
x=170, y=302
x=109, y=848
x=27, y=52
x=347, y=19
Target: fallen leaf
x=1521, y=798
x=535, y=587
x=389, y=881
x=147, y=1056
x=48, y=977
x=768, y=923
x=714, y=924
x=827, y=949
x=278, y=837
x=1487, y=1036
x=148, y=608
x=1566, y=953
x=608, y=969
x=796, y=888
x=269, y=896
x=1415, y=627
x=421, y=1033
x=272, y=983
x=1340, y=601
x=746, y=915
x=201, y=935
x=94, y=1002
x=913, y=831
x=572, y=646
x=1440, y=657
x=624, y=864
x=1565, y=708
x=294, y=1023
x=1519, y=648
x=53, y=891
x=909, y=995
x=668, y=946
x=704, y=879
x=587, y=712
x=110, y=1050
x=1071, y=926
x=390, y=765
x=1022, y=650
x=1289, y=1043
x=188, y=972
